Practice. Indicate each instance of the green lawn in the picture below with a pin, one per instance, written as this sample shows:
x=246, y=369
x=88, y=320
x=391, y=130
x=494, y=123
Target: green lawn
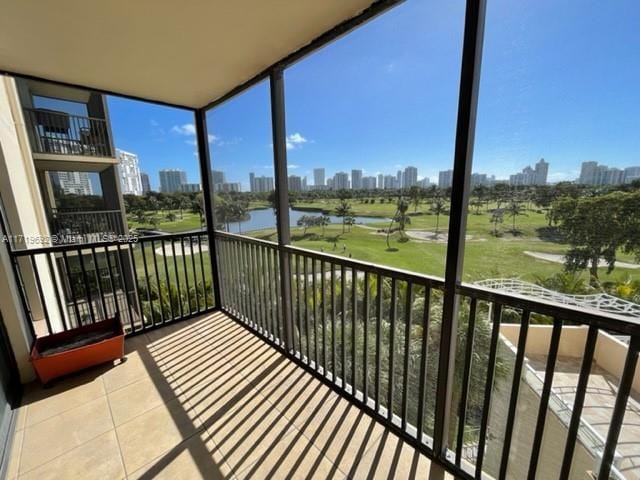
x=188, y=221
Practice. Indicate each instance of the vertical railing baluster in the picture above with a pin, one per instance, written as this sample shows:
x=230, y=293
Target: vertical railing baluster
x=515, y=389
x=298, y=306
x=56, y=289
x=147, y=282
x=135, y=287
x=99, y=283
x=315, y=311
x=343, y=320
x=177, y=274
x=334, y=370
x=578, y=403
x=365, y=348
x=620, y=407
x=114, y=293
x=87, y=286
x=466, y=379
x=392, y=347
x=159, y=284
x=426, y=317
x=323, y=317
x=167, y=278
x=204, y=277
x=407, y=347
x=378, y=339
x=194, y=272
x=41, y=296
x=488, y=389
x=306, y=307
x=354, y=313
x=544, y=398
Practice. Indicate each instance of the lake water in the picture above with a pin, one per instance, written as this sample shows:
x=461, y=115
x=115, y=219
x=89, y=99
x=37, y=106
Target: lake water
x=264, y=218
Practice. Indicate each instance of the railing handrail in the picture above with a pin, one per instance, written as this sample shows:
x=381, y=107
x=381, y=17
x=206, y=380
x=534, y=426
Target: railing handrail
x=46, y=111
x=401, y=274
x=58, y=211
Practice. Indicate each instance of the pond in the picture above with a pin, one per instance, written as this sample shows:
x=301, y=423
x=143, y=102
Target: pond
x=265, y=218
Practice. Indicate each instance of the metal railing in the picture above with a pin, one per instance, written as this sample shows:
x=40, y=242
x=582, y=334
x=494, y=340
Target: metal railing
x=148, y=282
x=62, y=133
x=85, y=226
x=373, y=334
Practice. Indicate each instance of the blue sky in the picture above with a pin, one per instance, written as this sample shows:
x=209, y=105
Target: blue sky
x=559, y=81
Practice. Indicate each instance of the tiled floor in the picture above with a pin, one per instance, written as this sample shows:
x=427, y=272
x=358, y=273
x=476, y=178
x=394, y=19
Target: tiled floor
x=202, y=399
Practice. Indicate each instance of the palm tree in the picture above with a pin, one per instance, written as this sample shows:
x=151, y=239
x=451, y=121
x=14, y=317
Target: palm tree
x=344, y=210
x=497, y=216
x=183, y=203
x=323, y=221
x=514, y=210
x=415, y=195
x=438, y=207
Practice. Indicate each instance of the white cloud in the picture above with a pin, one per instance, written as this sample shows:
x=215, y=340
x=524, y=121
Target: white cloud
x=185, y=129
x=213, y=138
x=292, y=166
x=295, y=140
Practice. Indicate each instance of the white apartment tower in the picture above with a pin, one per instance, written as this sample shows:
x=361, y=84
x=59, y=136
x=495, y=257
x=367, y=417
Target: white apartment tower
x=129, y=172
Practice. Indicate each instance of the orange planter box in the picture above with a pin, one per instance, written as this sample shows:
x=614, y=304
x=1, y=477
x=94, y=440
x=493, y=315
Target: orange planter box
x=55, y=355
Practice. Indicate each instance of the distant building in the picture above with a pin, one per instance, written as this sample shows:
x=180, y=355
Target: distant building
x=591, y=173
x=369, y=183
x=390, y=182
x=230, y=187
x=76, y=183
x=531, y=176
x=631, y=174
x=304, y=183
x=424, y=183
x=260, y=184
x=341, y=181
x=144, y=180
x=399, y=179
x=482, y=179
x=356, y=179
x=191, y=187
x=217, y=178
x=410, y=177
x=445, y=179
x=318, y=177
x=129, y=172
x=380, y=184
x=295, y=183
x=171, y=180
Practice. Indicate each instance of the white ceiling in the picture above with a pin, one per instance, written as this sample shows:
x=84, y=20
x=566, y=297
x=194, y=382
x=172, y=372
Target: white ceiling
x=185, y=53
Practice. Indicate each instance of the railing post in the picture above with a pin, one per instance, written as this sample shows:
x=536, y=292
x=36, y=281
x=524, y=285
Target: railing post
x=207, y=193
x=465, y=129
x=279, y=132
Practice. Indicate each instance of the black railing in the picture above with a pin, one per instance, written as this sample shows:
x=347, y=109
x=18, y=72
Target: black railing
x=148, y=282
x=85, y=226
x=59, y=132
x=373, y=334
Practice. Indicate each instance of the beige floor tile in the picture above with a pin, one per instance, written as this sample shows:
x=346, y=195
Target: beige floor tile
x=243, y=434
x=292, y=458
x=154, y=432
x=14, y=457
x=21, y=417
x=42, y=403
x=140, y=363
x=61, y=433
x=140, y=397
x=389, y=458
x=195, y=458
x=98, y=458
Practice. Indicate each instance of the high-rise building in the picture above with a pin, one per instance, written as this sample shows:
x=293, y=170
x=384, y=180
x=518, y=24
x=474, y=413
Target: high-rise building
x=144, y=180
x=218, y=177
x=531, y=176
x=356, y=179
x=380, y=181
x=76, y=183
x=304, y=183
x=129, y=172
x=424, y=182
x=369, y=183
x=587, y=173
x=295, y=183
x=341, y=181
x=410, y=177
x=399, y=179
x=171, y=180
x=631, y=174
x=191, y=187
x=390, y=182
x=445, y=179
x=230, y=187
x=318, y=177
x=260, y=184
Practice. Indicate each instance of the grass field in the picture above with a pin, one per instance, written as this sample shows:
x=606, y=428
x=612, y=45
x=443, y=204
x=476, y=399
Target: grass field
x=486, y=256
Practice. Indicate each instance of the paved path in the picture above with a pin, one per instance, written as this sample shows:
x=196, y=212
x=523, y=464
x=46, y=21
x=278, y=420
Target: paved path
x=555, y=258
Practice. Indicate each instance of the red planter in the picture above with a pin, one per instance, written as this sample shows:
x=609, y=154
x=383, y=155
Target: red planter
x=63, y=353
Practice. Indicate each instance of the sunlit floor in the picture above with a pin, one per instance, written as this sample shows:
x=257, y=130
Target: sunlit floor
x=202, y=399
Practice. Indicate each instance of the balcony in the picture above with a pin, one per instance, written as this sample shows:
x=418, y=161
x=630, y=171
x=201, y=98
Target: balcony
x=61, y=133
x=539, y=388
x=204, y=399
x=78, y=226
